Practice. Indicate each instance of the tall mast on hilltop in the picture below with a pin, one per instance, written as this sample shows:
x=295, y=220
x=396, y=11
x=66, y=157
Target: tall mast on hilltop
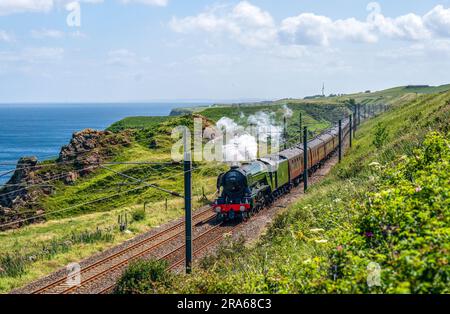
x=323, y=90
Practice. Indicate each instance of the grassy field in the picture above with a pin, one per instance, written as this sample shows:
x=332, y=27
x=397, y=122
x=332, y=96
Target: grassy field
x=137, y=122
x=385, y=207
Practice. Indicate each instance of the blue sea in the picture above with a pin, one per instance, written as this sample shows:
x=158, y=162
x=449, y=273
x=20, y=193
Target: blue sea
x=40, y=130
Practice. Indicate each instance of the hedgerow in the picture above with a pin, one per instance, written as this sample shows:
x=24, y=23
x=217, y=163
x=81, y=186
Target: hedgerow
x=404, y=226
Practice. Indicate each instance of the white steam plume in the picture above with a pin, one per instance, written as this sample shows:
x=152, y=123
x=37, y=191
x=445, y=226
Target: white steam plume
x=241, y=144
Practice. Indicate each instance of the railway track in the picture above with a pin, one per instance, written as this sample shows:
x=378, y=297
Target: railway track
x=121, y=259
x=200, y=244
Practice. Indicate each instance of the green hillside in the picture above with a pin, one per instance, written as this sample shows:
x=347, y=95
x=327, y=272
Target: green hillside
x=386, y=208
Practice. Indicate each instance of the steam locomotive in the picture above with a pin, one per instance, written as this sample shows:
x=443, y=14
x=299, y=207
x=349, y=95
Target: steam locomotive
x=245, y=190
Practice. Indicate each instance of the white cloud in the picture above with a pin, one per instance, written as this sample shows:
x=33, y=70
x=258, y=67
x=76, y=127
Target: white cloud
x=245, y=23
x=438, y=20
x=251, y=15
x=38, y=6
x=19, y=6
x=160, y=3
x=249, y=25
x=309, y=28
x=47, y=33
x=408, y=27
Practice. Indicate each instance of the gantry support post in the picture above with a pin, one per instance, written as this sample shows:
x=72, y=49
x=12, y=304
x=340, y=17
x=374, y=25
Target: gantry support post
x=188, y=201
x=305, y=159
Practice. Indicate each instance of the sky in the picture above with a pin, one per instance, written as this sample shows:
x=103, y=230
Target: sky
x=154, y=50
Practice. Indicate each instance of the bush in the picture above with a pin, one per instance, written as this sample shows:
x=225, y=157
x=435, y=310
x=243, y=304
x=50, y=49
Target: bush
x=144, y=277
x=138, y=215
x=404, y=224
x=381, y=135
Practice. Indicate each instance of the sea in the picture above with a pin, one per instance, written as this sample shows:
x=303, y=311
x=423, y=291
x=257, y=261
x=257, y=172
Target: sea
x=41, y=129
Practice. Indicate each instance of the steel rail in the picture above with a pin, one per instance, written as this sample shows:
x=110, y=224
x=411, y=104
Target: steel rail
x=124, y=251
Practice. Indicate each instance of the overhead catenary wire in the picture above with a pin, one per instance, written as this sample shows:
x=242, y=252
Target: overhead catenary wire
x=81, y=160
x=53, y=178
x=94, y=165
x=68, y=208
x=91, y=202
x=6, y=172
x=142, y=181
x=50, y=162
x=154, y=182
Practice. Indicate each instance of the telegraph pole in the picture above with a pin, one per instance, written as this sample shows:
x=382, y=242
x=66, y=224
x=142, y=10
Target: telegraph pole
x=340, y=140
x=305, y=159
x=188, y=201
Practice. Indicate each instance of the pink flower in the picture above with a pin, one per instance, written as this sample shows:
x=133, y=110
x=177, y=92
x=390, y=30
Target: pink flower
x=339, y=248
x=418, y=189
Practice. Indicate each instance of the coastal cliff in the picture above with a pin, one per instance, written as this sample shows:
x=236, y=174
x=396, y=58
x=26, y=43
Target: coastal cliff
x=32, y=180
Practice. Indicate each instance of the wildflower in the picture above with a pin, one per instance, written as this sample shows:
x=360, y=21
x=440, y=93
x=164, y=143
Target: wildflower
x=369, y=234
x=339, y=248
x=418, y=189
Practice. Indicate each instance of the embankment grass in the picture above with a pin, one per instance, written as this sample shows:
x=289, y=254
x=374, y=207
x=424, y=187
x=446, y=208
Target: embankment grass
x=377, y=224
